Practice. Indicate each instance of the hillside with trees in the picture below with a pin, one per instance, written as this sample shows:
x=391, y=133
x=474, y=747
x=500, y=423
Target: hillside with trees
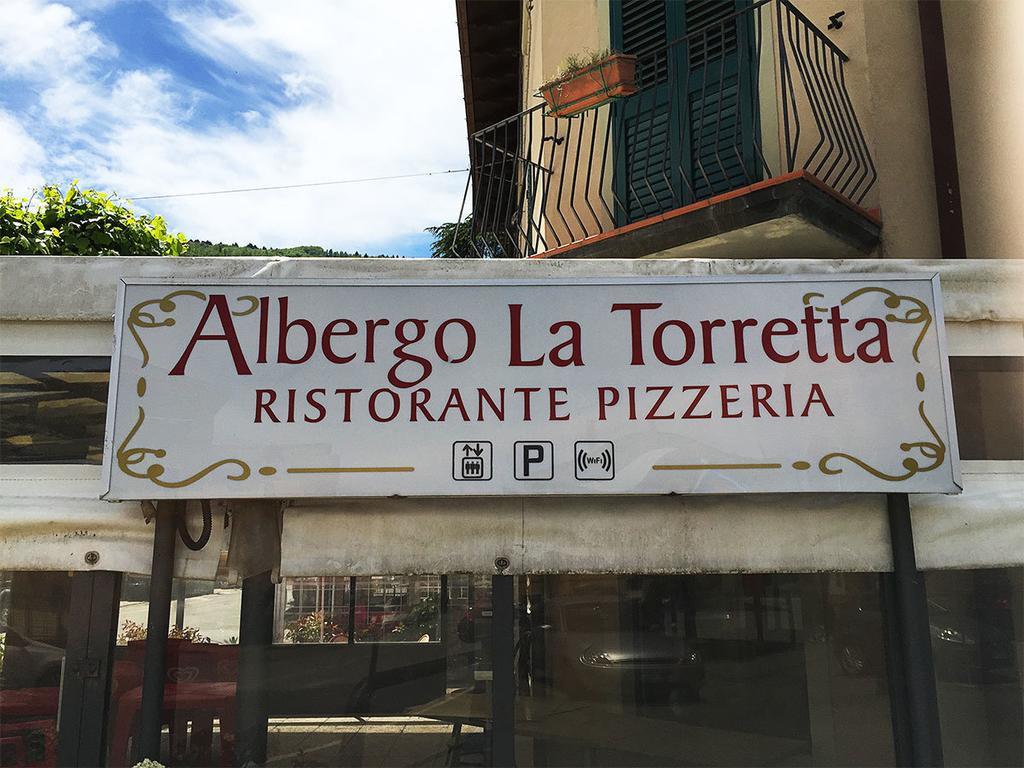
x=87, y=222
x=207, y=248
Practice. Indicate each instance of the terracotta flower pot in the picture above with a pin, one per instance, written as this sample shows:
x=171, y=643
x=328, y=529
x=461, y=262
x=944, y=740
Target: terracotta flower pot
x=610, y=78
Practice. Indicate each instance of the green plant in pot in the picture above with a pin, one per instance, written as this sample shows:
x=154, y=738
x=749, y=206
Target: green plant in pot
x=588, y=80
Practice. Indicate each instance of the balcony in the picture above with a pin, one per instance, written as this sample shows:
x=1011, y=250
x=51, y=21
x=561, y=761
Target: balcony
x=741, y=141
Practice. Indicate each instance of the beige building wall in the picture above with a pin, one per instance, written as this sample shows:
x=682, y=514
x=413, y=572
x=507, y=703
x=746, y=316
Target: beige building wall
x=885, y=80
x=555, y=29
x=885, y=76
x=986, y=83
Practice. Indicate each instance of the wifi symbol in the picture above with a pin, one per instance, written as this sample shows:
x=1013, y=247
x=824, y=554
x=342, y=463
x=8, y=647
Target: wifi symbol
x=594, y=460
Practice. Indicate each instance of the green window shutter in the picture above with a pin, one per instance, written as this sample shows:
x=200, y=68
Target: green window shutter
x=689, y=132
x=720, y=112
x=648, y=174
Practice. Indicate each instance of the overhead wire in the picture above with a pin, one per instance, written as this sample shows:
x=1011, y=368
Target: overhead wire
x=296, y=186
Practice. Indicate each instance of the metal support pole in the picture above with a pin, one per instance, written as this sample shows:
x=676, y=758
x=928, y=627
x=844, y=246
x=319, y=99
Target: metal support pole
x=914, y=638
x=89, y=665
x=255, y=636
x=154, y=668
x=896, y=672
x=503, y=712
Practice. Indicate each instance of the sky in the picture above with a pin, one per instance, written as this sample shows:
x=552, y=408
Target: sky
x=151, y=97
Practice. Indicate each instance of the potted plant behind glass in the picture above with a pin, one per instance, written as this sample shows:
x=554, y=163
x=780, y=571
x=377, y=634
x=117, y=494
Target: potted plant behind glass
x=590, y=80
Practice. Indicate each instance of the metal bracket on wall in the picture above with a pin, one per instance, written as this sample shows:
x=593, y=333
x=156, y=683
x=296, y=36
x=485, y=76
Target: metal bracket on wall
x=85, y=668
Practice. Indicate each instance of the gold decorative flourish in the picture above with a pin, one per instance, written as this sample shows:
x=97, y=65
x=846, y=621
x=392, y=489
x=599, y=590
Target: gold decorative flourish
x=129, y=458
x=933, y=451
x=918, y=313
x=139, y=317
x=929, y=451
x=334, y=470
x=684, y=467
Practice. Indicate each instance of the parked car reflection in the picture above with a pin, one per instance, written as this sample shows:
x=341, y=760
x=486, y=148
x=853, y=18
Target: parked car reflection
x=964, y=649
x=589, y=655
x=29, y=663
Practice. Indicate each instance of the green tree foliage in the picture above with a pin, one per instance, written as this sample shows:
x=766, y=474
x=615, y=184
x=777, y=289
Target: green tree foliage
x=452, y=240
x=455, y=240
x=207, y=248
x=82, y=222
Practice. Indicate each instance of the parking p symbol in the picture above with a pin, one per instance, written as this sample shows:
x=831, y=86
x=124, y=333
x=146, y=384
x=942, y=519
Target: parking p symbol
x=534, y=460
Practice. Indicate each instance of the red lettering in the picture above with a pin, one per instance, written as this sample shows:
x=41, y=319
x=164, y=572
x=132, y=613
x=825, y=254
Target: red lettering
x=727, y=401
x=606, y=398
x=284, y=328
x=768, y=334
x=659, y=342
x=761, y=400
x=374, y=413
x=881, y=338
x=402, y=356
x=572, y=344
x=346, y=400
x=217, y=303
x=555, y=402
x=653, y=415
x=635, y=329
x=371, y=329
x=706, y=327
x=689, y=414
x=439, y=345
x=329, y=333
x=738, y=327
x=498, y=409
x=817, y=396
x=419, y=404
x=264, y=328
x=515, y=342
x=527, y=393
x=809, y=322
x=837, y=322
x=320, y=409
x=454, y=401
x=264, y=399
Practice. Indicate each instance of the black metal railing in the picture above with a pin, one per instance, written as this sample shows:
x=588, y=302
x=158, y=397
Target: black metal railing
x=755, y=94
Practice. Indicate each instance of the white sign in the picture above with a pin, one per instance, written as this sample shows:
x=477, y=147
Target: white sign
x=291, y=388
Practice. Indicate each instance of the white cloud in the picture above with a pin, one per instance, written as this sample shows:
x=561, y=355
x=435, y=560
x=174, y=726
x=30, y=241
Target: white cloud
x=21, y=156
x=375, y=90
x=45, y=41
x=298, y=85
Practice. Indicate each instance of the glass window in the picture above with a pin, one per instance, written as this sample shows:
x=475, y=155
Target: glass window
x=33, y=636
x=354, y=667
x=396, y=609
x=202, y=670
x=363, y=609
x=53, y=409
x=976, y=621
x=769, y=669
x=361, y=667
x=988, y=400
x=313, y=610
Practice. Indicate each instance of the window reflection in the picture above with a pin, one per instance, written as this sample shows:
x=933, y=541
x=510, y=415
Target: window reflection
x=331, y=700
x=976, y=620
x=33, y=636
x=776, y=669
x=988, y=398
x=202, y=670
x=53, y=409
x=397, y=609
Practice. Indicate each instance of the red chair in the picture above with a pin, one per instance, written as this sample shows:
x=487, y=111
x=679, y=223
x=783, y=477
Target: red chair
x=28, y=744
